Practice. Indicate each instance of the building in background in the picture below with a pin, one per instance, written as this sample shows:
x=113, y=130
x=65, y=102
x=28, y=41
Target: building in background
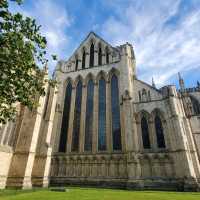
x=103, y=126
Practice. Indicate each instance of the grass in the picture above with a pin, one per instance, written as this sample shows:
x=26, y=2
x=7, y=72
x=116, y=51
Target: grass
x=94, y=194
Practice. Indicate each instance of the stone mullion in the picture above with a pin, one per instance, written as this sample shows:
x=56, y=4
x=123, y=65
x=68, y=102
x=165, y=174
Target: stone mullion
x=71, y=120
x=95, y=58
x=95, y=118
x=87, y=60
x=83, y=119
x=152, y=135
x=108, y=118
x=103, y=59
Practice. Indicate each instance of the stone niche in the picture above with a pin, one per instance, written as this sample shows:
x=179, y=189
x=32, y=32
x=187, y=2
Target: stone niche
x=110, y=170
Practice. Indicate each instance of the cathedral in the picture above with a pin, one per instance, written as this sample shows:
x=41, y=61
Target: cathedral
x=102, y=126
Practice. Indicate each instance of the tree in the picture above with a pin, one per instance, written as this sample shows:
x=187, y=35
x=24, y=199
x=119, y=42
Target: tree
x=22, y=50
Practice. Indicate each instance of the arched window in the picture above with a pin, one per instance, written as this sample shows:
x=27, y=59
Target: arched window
x=144, y=95
x=100, y=56
x=159, y=132
x=89, y=116
x=76, y=64
x=65, y=119
x=107, y=56
x=92, y=55
x=83, y=60
x=116, y=127
x=145, y=133
x=195, y=105
x=77, y=117
x=102, y=116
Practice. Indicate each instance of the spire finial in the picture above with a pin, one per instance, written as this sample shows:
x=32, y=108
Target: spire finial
x=181, y=82
x=153, y=83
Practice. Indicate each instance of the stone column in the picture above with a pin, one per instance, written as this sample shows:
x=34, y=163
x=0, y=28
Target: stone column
x=48, y=152
x=103, y=59
x=83, y=119
x=95, y=57
x=87, y=60
x=24, y=155
x=79, y=64
x=95, y=117
x=128, y=134
x=152, y=135
x=71, y=120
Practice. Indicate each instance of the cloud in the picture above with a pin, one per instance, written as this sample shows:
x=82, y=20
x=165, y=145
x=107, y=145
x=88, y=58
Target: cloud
x=54, y=19
x=166, y=40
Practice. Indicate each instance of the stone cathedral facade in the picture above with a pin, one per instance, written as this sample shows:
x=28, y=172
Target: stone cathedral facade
x=102, y=126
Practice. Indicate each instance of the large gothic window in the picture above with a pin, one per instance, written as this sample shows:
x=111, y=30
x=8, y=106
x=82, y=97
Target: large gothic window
x=65, y=118
x=77, y=117
x=195, y=105
x=100, y=56
x=116, y=127
x=102, y=116
x=92, y=55
x=89, y=116
x=83, y=60
x=145, y=133
x=159, y=132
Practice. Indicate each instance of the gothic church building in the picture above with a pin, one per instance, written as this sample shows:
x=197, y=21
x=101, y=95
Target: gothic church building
x=102, y=126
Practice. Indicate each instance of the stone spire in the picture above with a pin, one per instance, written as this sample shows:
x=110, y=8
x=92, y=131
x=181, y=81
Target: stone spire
x=181, y=82
x=153, y=83
x=198, y=84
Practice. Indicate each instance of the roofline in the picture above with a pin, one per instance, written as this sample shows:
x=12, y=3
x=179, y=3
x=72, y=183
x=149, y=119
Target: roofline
x=92, y=32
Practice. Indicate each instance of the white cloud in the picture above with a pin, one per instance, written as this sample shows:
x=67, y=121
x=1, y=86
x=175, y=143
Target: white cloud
x=54, y=19
x=162, y=48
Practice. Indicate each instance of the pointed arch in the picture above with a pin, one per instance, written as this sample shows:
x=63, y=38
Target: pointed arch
x=77, y=117
x=65, y=118
x=100, y=55
x=102, y=114
x=159, y=131
x=115, y=112
x=77, y=79
x=89, y=77
x=101, y=74
x=145, y=133
x=92, y=55
x=76, y=62
x=195, y=105
x=89, y=116
x=107, y=55
x=112, y=72
x=83, y=59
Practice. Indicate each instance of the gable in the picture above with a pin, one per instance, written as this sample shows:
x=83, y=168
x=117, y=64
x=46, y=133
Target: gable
x=86, y=43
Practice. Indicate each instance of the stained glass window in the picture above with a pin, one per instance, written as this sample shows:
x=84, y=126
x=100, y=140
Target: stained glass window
x=102, y=116
x=145, y=133
x=77, y=117
x=159, y=132
x=65, y=118
x=89, y=116
x=116, y=127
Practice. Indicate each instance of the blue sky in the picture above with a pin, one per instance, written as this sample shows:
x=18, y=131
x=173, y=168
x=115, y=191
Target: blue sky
x=165, y=33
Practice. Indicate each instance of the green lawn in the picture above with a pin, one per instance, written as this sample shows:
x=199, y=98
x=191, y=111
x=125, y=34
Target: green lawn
x=95, y=194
